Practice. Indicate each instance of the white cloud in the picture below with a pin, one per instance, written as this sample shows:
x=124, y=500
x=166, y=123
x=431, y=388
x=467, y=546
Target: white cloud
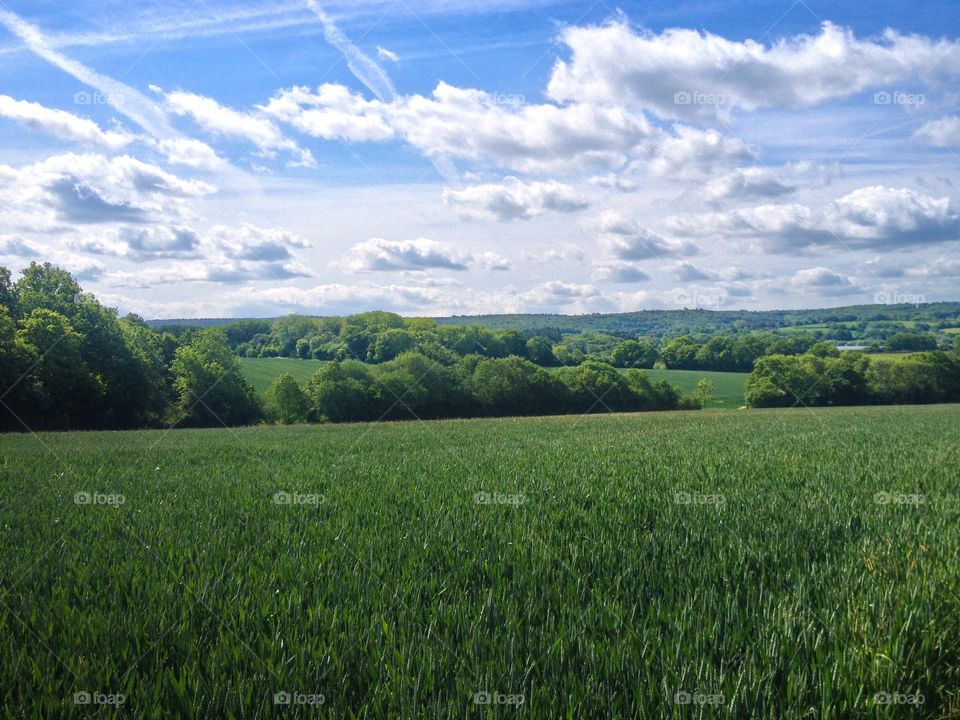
x=514, y=199
x=619, y=272
x=333, y=112
x=682, y=73
x=693, y=153
x=377, y=255
x=877, y=217
x=385, y=54
x=823, y=280
x=123, y=98
x=190, y=152
x=748, y=184
x=493, y=262
x=944, y=132
x=62, y=124
x=627, y=239
x=220, y=120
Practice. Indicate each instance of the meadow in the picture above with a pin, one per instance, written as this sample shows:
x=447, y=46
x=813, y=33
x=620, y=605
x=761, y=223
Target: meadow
x=260, y=372
x=764, y=563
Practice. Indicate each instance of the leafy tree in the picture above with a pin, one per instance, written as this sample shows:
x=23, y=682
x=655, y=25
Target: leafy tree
x=210, y=386
x=824, y=349
x=704, y=391
x=540, y=351
x=49, y=288
x=342, y=391
x=911, y=342
x=680, y=353
x=286, y=401
x=388, y=344
x=641, y=353
x=514, y=386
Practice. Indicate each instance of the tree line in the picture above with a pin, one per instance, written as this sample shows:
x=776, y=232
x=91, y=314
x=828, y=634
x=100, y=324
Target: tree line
x=825, y=376
x=378, y=337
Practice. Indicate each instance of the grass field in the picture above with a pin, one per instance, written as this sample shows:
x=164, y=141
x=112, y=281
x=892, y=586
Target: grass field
x=260, y=372
x=729, y=393
x=755, y=564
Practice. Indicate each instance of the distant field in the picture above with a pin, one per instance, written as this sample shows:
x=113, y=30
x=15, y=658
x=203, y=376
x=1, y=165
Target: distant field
x=754, y=564
x=730, y=385
x=729, y=393
x=263, y=371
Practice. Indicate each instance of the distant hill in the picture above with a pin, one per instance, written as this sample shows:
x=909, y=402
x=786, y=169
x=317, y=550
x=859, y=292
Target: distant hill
x=679, y=322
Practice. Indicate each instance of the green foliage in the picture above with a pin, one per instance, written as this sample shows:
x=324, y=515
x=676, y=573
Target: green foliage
x=640, y=353
x=540, y=351
x=211, y=389
x=286, y=402
x=910, y=342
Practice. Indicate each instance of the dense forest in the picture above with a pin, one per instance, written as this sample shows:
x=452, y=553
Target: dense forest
x=68, y=362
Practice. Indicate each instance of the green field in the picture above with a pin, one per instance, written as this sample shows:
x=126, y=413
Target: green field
x=760, y=564
x=263, y=371
x=729, y=393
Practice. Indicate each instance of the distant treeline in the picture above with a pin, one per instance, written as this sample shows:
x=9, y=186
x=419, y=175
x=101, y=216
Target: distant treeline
x=378, y=337
x=68, y=362
x=825, y=376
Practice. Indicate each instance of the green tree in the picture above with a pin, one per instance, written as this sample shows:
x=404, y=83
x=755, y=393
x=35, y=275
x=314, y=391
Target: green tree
x=286, y=401
x=704, y=391
x=540, y=351
x=641, y=353
x=210, y=386
x=342, y=391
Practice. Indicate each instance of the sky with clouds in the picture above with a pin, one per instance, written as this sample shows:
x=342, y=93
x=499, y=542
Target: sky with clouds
x=212, y=158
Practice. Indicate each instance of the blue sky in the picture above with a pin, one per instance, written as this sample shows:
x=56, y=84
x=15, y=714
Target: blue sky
x=208, y=158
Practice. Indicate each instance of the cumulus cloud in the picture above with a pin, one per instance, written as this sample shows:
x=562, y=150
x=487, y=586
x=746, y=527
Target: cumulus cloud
x=619, y=271
x=378, y=255
x=190, y=152
x=683, y=73
x=693, y=153
x=689, y=273
x=62, y=124
x=493, y=262
x=753, y=183
x=879, y=218
x=627, y=239
x=464, y=123
x=823, y=280
x=944, y=132
x=514, y=199
x=91, y=188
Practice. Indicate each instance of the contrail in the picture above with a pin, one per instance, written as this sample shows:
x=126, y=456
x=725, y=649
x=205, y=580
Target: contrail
x=127, y=101
x=373, y=78
x=362, y=67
